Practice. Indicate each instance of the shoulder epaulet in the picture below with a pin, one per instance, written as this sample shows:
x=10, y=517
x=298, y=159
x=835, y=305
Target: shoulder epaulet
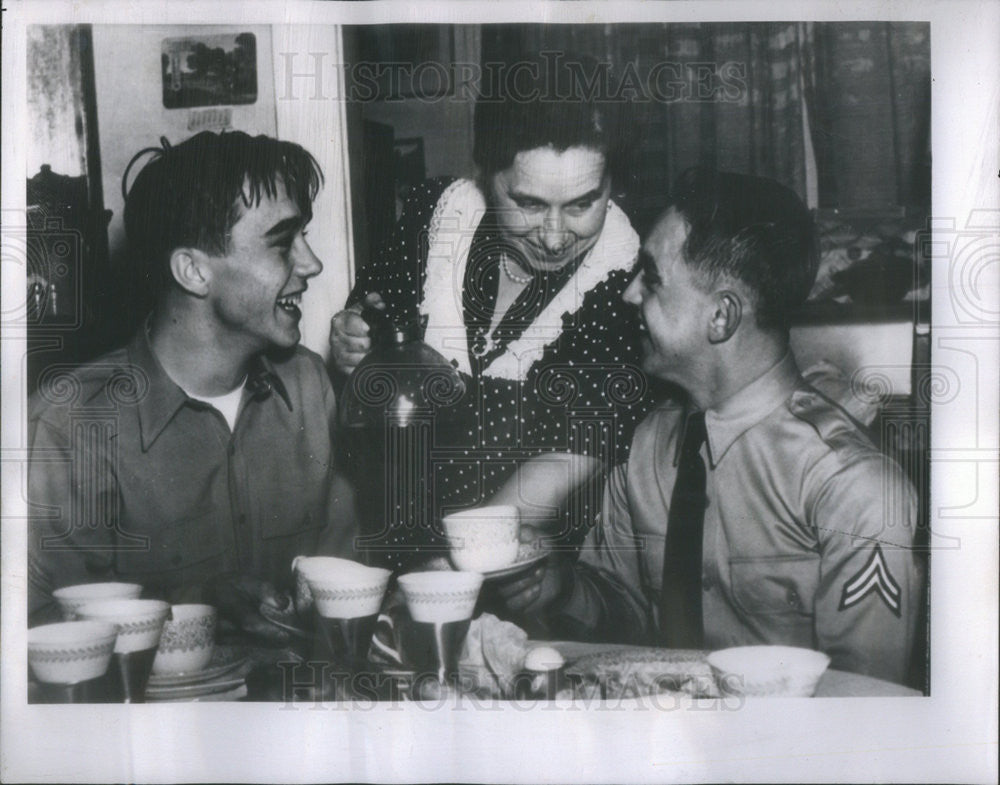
x=832, y=423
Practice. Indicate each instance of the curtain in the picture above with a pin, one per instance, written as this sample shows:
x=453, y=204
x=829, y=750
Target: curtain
x=720, y=95
x=869, y=88
x=738, y=101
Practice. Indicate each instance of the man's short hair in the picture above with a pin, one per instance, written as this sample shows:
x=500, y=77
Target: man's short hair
x=191, y=195
x=752, y=230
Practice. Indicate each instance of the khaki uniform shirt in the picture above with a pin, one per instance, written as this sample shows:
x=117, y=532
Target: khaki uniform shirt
x=807, y=532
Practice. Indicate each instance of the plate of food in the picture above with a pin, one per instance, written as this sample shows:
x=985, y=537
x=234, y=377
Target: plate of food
x=638, y=672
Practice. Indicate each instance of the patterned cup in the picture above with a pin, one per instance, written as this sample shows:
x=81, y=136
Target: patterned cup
x=303, y=567
x=72, y=597
x=140, y=622
x=72, y=651
x=441, y=597
x=140, y=625
x=343, y=589
x=187, y=641
x=768, y=671
x=483, y=539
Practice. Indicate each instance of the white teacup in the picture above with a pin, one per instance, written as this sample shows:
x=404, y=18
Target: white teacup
x=188, y=640
x=483, y=539
x=343, y=589
x=302, y=568
x=72, y=597
x=140, y=622
x=71, y=651
x=440, y=597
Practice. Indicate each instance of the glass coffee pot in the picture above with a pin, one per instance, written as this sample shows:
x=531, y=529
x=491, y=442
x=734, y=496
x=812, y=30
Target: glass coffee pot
x=396, y=404
x=400, y=379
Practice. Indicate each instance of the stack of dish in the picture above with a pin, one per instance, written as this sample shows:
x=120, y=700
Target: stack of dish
x=224, y=678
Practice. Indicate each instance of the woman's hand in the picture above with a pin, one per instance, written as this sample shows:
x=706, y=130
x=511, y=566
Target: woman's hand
x=541, y=485
x=349, y=341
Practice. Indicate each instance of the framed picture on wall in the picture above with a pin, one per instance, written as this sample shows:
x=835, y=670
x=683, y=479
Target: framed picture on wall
x=209, y=70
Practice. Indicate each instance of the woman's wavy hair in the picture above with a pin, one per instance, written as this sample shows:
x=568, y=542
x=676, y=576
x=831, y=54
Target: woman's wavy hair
x=553, y=99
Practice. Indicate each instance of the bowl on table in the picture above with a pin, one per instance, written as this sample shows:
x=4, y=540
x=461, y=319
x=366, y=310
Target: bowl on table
x=768, y=671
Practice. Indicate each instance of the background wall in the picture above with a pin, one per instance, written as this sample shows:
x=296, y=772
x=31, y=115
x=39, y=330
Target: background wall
x=130, y=111
x=320, y=127
x=443, y=123
x=55, y=98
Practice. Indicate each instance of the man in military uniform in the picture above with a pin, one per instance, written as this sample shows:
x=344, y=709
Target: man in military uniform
x=757, y=512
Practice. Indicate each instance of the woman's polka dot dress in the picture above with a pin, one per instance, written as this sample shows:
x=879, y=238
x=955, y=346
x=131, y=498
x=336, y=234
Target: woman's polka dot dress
x=585, y=395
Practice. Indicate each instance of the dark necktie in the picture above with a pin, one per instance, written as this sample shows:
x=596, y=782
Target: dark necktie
x=680, y=602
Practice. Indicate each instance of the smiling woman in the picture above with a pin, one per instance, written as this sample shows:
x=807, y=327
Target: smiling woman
x=551, y=205
x=519, y=275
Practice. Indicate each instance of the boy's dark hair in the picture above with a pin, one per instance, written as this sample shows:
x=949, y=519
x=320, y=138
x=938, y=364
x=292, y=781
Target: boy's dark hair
x=192, y=194
x=752, y=230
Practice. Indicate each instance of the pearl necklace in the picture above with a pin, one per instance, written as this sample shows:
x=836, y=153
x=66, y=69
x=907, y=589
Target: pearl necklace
x=523, y=280
x=486, y=343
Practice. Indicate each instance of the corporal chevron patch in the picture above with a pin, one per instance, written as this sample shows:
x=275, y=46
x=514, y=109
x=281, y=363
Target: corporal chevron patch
x=873, y=577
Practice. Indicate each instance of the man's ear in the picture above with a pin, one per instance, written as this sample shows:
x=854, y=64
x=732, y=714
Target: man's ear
x=726, y=316
x=190, y=270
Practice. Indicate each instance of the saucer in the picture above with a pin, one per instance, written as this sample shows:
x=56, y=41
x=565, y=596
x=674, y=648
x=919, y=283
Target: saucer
x=191, y=691
x=236, y=694
x=517, y=567
x=225, y=659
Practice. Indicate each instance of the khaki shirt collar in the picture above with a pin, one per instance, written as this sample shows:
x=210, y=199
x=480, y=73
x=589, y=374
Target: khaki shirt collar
x=740, y=412
x=159, y=398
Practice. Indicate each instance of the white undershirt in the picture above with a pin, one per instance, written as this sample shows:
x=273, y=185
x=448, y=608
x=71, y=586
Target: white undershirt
x=228, y=405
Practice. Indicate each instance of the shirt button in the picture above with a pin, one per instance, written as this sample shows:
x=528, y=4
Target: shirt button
x=793, y=598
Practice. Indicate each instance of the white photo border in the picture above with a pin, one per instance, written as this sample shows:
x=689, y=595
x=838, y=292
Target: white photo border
x=949, y=736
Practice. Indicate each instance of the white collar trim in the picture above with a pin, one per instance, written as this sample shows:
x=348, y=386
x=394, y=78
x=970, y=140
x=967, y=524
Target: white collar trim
x=456, y=217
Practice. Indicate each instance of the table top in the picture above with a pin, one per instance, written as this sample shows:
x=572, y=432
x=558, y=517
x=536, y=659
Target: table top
x=833, y=683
